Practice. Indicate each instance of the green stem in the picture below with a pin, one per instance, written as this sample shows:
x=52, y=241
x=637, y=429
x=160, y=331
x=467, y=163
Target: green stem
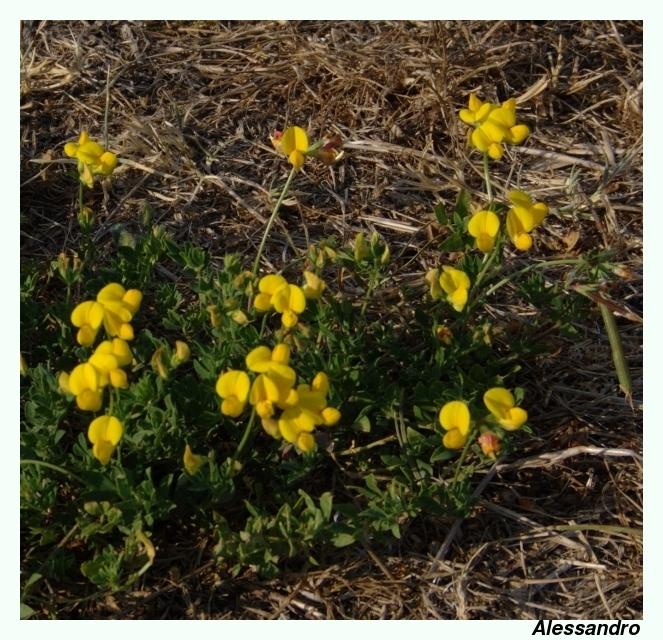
x=486, y=177
x=618, y=358
x=270, y=222
x=48, y=465
x=488, y=261
x=463, y=454
x=530, y=267
x=372, y=283
x=245, y=436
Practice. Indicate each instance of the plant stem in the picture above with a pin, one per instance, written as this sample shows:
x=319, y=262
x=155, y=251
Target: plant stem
x=48, y=465
x=488, y=260
x=461, y=459
x=245, y=436
x=486, y=177
x=618, y=358
x=530, y=267
x=270, y=222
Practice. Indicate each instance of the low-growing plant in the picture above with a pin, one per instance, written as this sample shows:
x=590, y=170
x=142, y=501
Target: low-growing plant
x=284, y=414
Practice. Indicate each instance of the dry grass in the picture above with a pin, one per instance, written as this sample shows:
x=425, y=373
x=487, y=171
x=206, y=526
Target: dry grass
x=191, y=107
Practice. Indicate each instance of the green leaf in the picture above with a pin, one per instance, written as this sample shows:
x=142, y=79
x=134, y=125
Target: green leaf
x=326, y=500
x=26, y=611
x=343, y=540
x=463, y=203
x=441, y=214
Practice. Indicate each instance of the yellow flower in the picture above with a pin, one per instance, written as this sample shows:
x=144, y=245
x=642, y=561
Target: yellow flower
x=501, y=403
x=268, y=286
x=477, y=111
x=92, y=158
x=522, y=218
x=88, y=316
x=192, y=461
x=233, y=386
x=84, y=383
x=293, y=143
x=274, y=385
x=119, y=306
x=107, y=359
x=456, y=284
x=484, y=226
x=289, y=301
x=494, y=125
x=313, y=286
x=455, y=419
x=310, y=411
x=104, y=432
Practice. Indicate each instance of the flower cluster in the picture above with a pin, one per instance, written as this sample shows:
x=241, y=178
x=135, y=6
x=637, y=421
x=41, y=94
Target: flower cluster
x=523, y=216
x=273, y=389
x=294, y=144
x=494, y=125
x=521, y=219
x=114, y=308
x=456, y=420
x=93, y=159
x=104, y=367
x=275, y=292
x=452, y=282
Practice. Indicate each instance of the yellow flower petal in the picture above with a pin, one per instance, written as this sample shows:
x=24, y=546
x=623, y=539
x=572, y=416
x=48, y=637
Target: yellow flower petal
x=103, y=451
x=459, y=299
x=97, y=429
x=455, y=415
x=515, y=418
x=235, y=384
x=498, y=401
x=306, y=442
x=270, y=284
x=496, y=151
x=330, y=416
x=118, y=379
x=262, y=302
x=192, y=461
x=517, y=134
x=114, y=430
x=454, y=439
x=294, y=139
x=232, y=407
x=281, y=353
x=321, y=383
x=89, y=400
x=258, y=359
x=132, y=299
x=289, y=319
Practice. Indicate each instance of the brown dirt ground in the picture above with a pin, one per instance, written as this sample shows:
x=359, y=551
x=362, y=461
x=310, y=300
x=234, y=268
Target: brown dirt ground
x=556, y=532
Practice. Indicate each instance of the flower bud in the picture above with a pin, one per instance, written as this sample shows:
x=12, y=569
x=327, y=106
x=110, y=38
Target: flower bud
x=239, y=317
x=360, y=247
x=182, y=353
x=214, y=317
x=444, y=335
x=490, y=444
x=158, y=364
x=192, y=461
